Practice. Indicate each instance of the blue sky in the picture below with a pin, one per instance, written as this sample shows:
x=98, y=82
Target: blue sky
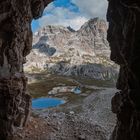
x=66, y=3
x=72, y=13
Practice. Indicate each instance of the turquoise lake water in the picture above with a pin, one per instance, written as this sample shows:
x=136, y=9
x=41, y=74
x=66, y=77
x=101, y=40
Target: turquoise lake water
x=42, y=103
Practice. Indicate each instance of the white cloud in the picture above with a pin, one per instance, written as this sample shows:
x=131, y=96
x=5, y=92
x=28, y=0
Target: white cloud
x=62, y=16
x=92, y=8
x=65, y=17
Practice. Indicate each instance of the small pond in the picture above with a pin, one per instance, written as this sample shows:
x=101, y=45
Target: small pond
x=42, y=103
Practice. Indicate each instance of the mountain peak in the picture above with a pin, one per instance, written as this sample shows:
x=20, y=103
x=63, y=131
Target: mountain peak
x=70, y=29
x=61, y=48
x=95, y=23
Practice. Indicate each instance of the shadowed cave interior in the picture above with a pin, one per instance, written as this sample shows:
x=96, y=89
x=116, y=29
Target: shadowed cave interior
x=16, y=43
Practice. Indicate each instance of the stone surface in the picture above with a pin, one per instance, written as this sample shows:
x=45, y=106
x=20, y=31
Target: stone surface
x=15, y=44
x=91, y=118
x=63, y=51
x=124, y=39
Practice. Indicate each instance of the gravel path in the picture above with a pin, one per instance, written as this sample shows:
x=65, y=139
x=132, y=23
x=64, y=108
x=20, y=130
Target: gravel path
x=97, y=109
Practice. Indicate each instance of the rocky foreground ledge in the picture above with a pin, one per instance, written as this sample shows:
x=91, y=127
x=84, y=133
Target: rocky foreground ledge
x=91, y=120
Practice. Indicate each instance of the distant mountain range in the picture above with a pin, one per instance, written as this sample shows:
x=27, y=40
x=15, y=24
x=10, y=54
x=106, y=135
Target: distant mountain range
x=64, y=51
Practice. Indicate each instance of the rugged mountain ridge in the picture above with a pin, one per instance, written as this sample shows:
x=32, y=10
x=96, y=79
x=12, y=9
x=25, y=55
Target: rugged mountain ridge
x=64, y=51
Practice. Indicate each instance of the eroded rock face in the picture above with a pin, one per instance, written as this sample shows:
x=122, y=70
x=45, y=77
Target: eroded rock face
x=61, y=50
x=15, y=44
x=124, y=39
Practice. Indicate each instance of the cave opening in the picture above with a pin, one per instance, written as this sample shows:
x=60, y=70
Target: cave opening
x=86, y=113
x=70, y=61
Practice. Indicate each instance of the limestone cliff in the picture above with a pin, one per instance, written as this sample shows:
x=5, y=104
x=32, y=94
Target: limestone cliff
x=64, y=51
x=124, y=39
x=15, y=44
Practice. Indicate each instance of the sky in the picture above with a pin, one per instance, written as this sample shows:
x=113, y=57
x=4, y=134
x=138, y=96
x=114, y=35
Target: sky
x=73, y=13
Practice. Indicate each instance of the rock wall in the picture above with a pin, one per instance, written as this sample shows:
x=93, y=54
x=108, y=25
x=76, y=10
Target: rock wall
x=15, y=44
x=124, y=39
